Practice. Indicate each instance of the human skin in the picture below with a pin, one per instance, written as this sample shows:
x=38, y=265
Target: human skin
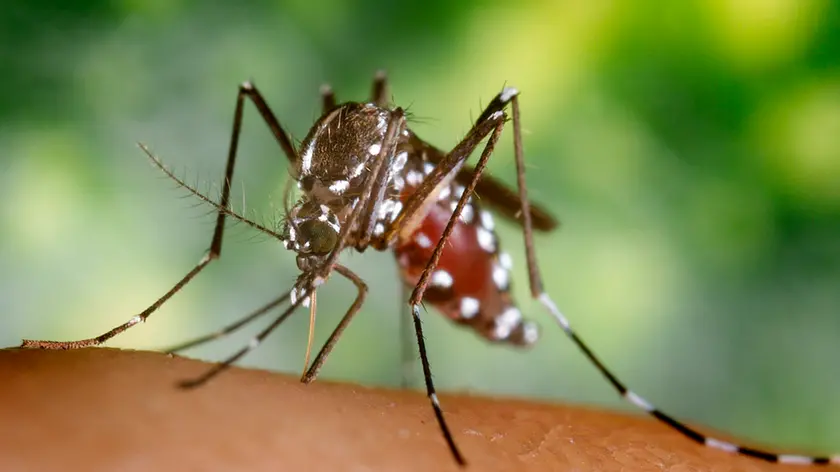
x=106, y=409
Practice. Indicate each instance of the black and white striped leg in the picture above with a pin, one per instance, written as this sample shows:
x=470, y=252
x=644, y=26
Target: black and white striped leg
x=495, y=123
x=430, y=387
x=510, y=94
x=684, y=429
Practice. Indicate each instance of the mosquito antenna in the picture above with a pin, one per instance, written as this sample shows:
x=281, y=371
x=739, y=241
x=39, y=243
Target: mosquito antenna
x=160, y=165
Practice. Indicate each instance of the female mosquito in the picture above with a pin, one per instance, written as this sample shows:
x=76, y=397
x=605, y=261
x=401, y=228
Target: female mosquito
x=367, y=180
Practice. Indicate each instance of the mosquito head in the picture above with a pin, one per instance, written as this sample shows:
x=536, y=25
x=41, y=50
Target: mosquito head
x=311, y=230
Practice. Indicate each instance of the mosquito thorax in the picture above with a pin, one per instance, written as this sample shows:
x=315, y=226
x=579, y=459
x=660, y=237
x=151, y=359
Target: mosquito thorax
x=331, y=172
x=336, y=154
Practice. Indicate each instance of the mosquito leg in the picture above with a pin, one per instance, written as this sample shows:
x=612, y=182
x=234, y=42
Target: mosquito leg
x=248, y=89
x=430, y=387
x=505, y=201
x=82, y=343
x=534, y=278
x=327, y=98
x=245, y=90
x=407, y=353
x=420, y=288
x=493, y=192
x=362, y=288
x=253, y=344
x=380, y=178
x=510, y=94
x=497, y=120
x=442, y=175
x=379, y=91
x=227, y=329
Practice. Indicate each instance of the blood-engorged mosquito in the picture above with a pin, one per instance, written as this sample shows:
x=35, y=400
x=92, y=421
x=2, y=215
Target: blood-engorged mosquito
x=367, y=180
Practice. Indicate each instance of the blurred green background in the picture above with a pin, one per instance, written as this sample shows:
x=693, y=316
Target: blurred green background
x=690, y=149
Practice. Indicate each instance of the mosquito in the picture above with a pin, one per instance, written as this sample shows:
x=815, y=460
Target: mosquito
x=368, y=181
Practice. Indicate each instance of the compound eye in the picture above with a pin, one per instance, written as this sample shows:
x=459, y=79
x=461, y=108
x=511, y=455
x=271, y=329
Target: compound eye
x=321, y=236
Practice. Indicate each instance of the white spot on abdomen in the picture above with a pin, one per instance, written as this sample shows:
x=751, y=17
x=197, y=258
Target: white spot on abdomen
x=506, y=322
x=506, y=261
x=487, y=220
x=501, y=277
x=441, y=278
x=444, y=194
x=422, y=240
x=486, y=240
x=467, y=214
x=469, y=307
x=458, y=192
x=530, y=333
